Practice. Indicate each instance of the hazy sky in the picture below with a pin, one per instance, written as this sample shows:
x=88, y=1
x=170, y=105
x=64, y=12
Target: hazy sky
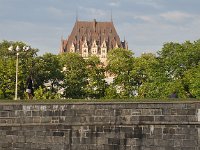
x=145, y=24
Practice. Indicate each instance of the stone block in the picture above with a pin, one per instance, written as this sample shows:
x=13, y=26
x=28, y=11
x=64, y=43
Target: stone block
x=163, y=143
x=166, y=111
x=104, y=112
x=7, y=145
x=146, y=118
x=126, y=112
x=111, y=147
x=101, y=140
x=99, y=129
x=20, y=139
x=46, y=119
x=126, y=129
x=130, y=141
x=188, y=148
x=113, y=141
x=76, y=141
x=192, y=105
x=134, y=119
x=178, y=142
x=8, y=107
x=58, y=133
x=157, y=131
x=179, y=106
x=58, y=139
x=192, y=118
x=136, y=147
x=179, y=136
x=12, y=132
x=18, y=145
x=3, y=121
x=36, y=113
x=136, y=112
x=190, y=143
x=4, y=114
x=47, y=113
x=27, y=113
x=122, y=120
x=84, y=112
x=147, y=142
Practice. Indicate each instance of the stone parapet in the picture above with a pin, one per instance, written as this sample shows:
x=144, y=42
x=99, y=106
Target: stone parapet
x=100, y=126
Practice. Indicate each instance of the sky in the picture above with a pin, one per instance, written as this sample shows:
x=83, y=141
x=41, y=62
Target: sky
x=145, y=24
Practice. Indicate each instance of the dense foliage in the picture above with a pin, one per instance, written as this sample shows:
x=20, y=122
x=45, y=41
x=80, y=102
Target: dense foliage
x=173, y=72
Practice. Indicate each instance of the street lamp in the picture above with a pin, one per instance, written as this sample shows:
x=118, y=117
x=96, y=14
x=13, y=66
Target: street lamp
x=25, y=48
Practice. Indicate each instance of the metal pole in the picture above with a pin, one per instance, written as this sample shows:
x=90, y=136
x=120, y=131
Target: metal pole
x=16, y=77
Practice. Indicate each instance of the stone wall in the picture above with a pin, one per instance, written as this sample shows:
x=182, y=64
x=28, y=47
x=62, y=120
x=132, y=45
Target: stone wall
x=100, y=126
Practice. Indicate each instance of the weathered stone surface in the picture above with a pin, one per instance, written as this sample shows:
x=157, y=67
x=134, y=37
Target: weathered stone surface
x=100, y=126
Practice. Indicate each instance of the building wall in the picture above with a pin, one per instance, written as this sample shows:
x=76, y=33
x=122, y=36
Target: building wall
x=100, y=126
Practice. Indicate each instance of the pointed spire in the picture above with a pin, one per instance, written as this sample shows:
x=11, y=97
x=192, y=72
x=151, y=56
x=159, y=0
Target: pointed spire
x=76, y=15
x=111, y=18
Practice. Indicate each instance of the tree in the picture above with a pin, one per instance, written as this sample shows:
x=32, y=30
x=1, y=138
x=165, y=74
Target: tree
x=7, y=77
x=8, y=68
x=75, y=75
x=47, y=72
x=174, y=60
x=192, y=82
x=177, y=58
x=96, y=78
x=143, y=70
x=120, y=65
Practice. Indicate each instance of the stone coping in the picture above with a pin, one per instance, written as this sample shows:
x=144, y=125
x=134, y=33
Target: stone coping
x=93, y=124
x=94, y=103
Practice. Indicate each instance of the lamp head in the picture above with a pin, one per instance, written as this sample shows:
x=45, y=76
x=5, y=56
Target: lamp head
x=10, y=48
x=26, y=48
x=17, y=48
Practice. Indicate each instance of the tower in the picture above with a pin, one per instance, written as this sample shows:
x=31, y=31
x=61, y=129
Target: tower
x=93, y=38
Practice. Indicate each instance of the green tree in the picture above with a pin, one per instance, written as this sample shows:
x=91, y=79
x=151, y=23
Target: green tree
x=8, y=67
x=7, y=77
x=164, y=77
x=177, y=58
x=75, y=75
x=48, y=72
x=143, y=70
x=120, y=65
x=192, y=82
x=174, y=60
x=96, y=78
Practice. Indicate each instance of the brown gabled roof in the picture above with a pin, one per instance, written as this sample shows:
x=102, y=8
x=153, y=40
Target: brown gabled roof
x=98, y=31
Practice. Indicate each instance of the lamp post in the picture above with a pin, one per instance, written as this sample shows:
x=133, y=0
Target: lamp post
x=17, y=64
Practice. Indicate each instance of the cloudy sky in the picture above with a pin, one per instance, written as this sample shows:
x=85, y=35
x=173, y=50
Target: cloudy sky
x=145, y=24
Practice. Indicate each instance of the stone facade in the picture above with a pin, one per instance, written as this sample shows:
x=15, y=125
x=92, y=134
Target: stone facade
x=92, y=38
x=100, y=126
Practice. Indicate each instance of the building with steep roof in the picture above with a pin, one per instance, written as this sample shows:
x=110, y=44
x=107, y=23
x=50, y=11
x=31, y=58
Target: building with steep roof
x=92, y=38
